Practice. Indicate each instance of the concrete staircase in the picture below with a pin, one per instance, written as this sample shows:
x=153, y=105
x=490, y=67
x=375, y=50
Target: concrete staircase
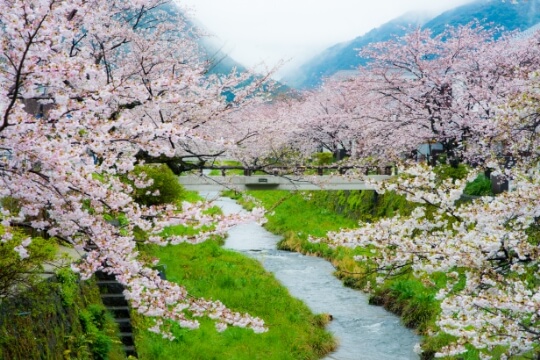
x=113, y=299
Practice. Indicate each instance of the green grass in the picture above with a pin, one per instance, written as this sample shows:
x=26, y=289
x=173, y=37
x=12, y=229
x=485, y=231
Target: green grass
x=191, y=196
x=241, y=283
x=298, y=215
x=58, y=318
x=294, y=212
x=364, y=205
x=412, y=300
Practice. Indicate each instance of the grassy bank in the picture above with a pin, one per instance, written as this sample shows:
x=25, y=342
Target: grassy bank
x=241, y=283
x=299, y=215
x=60, y=318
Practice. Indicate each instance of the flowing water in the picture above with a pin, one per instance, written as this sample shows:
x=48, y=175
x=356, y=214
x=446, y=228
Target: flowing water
x=363, y=331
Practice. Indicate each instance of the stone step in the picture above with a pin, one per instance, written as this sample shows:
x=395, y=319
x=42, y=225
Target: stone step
x=114, y=300
x=127, y=339
x=130, y=351
x=110, y=287
x=119, y=311
x=124, y=324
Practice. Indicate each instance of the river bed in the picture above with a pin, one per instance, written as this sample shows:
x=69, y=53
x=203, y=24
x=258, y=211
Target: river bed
x=364, y=331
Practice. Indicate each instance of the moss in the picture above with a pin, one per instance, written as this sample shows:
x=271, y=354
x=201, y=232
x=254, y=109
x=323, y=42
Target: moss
x=56, y=305
x=94, y=324
x=69, y=286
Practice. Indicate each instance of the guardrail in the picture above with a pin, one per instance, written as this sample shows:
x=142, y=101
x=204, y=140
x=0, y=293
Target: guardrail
x=271, y=182
x=284, y=170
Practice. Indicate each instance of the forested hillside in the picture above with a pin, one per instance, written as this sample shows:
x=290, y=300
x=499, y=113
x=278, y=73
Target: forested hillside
x=344, y=56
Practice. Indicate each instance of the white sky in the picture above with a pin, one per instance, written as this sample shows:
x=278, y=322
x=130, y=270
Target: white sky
x=255, y=31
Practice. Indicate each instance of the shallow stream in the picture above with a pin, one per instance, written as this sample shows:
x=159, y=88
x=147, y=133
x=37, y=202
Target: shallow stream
x=363, y=331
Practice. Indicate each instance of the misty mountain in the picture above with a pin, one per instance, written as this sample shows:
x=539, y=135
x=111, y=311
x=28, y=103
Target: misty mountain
x=344, y=56
x=219, y=61
x=506, y=15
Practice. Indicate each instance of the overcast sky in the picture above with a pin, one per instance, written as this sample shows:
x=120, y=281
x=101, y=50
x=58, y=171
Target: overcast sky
x=255, y=31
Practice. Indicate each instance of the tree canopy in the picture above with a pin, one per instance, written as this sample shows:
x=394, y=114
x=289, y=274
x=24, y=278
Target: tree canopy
x=89, y=90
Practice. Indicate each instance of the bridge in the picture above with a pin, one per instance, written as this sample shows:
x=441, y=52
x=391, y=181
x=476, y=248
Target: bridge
x=204, y=182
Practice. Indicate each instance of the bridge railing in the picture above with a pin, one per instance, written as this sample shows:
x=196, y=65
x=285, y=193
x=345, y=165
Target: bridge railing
x=285, y=170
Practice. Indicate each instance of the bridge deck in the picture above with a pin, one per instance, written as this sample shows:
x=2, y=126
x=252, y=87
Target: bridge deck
x=270, y=182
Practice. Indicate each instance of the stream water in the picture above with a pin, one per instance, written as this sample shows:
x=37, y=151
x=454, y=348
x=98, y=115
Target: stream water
x=363, y=331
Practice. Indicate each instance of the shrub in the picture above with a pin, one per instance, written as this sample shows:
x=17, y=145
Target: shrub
x=448, y=171
x=16, y=273
x=165, y=188
x=323, y=158
x=93, y=321
x=69, y=285
x=481, y=186
x=10, y=203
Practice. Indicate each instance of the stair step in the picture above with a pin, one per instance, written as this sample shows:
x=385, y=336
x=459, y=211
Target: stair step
x=119, y=311
x=110, y=287
x=114, y=300
x=124, y=324
x=130, y=351
x=127, y=339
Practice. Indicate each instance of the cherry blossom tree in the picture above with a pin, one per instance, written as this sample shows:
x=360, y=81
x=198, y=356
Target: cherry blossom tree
x=485, y=248
x=479, y=98
x=260, y=133
x=89, y=89
x=419, y=89
x=445, y=89
x=328, y=117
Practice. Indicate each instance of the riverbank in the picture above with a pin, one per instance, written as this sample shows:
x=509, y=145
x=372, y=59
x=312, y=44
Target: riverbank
x=41, y=289
x=58, y=318
x=210, y=271
x=299, y=215
x=363, y=331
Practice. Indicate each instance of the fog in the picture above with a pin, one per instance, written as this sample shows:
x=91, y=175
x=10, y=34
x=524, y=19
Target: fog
x=267, y=31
